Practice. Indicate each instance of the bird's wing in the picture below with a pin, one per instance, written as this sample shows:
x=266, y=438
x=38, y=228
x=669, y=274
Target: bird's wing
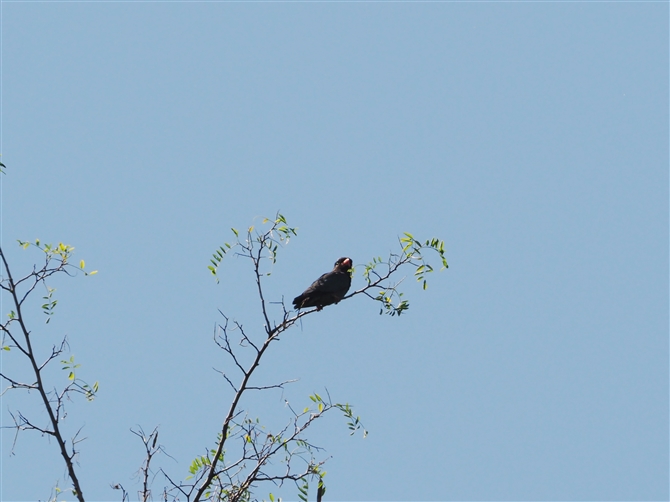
x=329, y=282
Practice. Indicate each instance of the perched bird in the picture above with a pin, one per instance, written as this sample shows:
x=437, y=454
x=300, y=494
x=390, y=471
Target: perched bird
x=328, y=289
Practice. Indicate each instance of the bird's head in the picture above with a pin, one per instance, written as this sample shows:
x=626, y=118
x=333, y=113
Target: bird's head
x=344, y=264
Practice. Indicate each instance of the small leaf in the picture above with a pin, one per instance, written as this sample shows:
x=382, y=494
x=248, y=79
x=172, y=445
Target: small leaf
x=81, y=264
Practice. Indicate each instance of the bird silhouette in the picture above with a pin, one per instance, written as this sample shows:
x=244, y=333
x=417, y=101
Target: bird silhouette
x=328, y=289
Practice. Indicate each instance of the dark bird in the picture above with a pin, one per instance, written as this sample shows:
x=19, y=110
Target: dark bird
x=328, y=289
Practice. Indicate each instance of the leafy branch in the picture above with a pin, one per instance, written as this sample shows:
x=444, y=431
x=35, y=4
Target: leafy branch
x=378, y=273
x=16, y=335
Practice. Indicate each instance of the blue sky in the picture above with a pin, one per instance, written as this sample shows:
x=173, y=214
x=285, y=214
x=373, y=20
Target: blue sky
x=531, y=137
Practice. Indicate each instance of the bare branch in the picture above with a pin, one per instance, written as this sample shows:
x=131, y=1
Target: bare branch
x=16, y=385
x=274, y=386
x=55, y=352
x=230, y=382
x=124, y=493
x=151, y=448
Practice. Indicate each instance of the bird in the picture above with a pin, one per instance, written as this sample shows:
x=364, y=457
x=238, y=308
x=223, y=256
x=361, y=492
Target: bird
x=328, y=289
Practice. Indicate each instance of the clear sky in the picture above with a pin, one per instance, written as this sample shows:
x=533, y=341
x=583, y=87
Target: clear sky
x=531, y=136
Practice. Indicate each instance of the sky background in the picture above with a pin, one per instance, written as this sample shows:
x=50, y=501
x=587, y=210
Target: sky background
x=531, y=137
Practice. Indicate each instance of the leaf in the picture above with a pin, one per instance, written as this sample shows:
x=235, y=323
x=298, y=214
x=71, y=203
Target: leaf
x=81, y=264
x=304, y=489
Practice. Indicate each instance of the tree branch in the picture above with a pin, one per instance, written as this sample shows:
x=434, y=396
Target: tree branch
x=29, y=353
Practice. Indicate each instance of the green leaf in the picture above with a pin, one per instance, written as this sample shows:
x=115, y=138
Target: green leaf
x=303, y=490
